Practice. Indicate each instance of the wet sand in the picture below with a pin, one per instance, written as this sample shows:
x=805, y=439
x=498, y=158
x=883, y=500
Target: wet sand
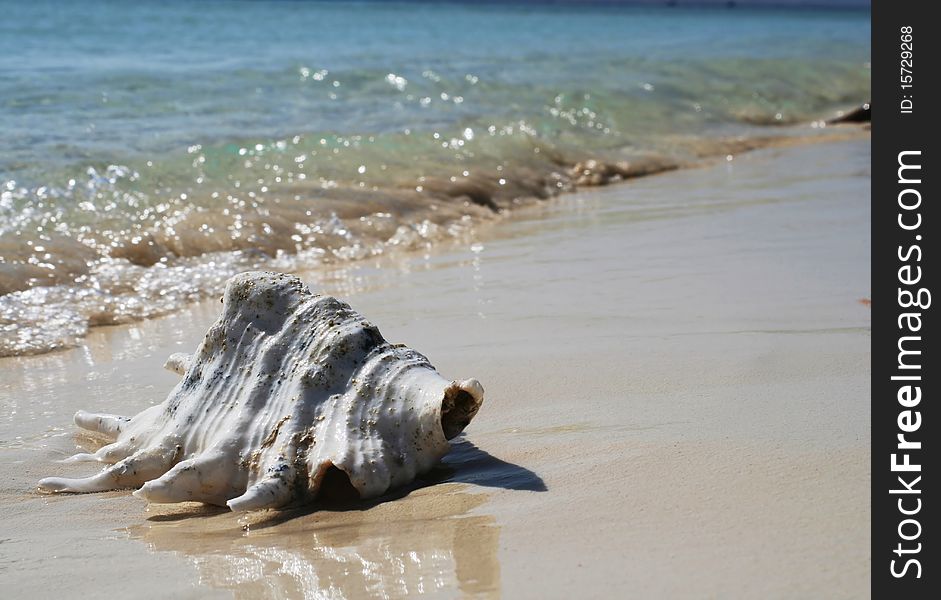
x=678, y=405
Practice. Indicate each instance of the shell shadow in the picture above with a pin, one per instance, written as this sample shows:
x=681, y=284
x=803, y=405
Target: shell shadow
x=188, y=511
x=465, y=463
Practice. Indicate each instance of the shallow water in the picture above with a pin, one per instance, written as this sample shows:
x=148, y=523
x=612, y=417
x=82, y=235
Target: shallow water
x=152, y=151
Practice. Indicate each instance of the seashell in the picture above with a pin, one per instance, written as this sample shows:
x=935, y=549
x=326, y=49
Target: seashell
x=288, y=391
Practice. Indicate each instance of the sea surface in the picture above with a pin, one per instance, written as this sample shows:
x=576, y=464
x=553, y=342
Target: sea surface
x=151, y=150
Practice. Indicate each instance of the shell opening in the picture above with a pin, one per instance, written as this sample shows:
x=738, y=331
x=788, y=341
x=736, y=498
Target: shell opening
x=461, y=402
x=335, y=486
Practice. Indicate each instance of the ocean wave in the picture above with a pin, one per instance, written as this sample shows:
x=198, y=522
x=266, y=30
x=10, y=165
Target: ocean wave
x=137, y=176
x=56, y=282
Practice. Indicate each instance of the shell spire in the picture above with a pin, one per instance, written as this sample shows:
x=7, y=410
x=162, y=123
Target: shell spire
x=287, y=391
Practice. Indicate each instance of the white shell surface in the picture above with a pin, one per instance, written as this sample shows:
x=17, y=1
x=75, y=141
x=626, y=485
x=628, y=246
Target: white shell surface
x=285, y=385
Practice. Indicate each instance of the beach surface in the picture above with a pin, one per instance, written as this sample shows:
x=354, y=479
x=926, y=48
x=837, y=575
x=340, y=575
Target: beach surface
x=677, y=377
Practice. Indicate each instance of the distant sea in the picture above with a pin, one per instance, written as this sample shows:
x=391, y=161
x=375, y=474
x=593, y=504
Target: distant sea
x=151, y=150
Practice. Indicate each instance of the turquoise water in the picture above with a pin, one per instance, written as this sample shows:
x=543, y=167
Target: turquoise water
x=152, y=149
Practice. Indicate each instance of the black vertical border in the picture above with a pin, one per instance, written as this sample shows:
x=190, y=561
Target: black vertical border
x=893, y=132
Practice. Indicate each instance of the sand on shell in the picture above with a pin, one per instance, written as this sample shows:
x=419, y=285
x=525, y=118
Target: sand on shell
x=678, y=405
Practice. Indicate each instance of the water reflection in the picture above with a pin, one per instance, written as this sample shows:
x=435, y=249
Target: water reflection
x=422, y=544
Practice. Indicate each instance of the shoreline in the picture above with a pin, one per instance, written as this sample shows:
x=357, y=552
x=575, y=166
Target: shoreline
x=21, y=325
x=654, y=356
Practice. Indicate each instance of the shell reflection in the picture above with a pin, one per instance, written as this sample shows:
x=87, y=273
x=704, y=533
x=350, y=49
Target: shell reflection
x=424, y=544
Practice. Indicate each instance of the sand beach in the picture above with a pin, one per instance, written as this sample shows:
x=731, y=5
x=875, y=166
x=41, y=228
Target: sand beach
x=677, y=374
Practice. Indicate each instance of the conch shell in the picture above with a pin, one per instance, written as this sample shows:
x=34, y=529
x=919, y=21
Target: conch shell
x=287, y=391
